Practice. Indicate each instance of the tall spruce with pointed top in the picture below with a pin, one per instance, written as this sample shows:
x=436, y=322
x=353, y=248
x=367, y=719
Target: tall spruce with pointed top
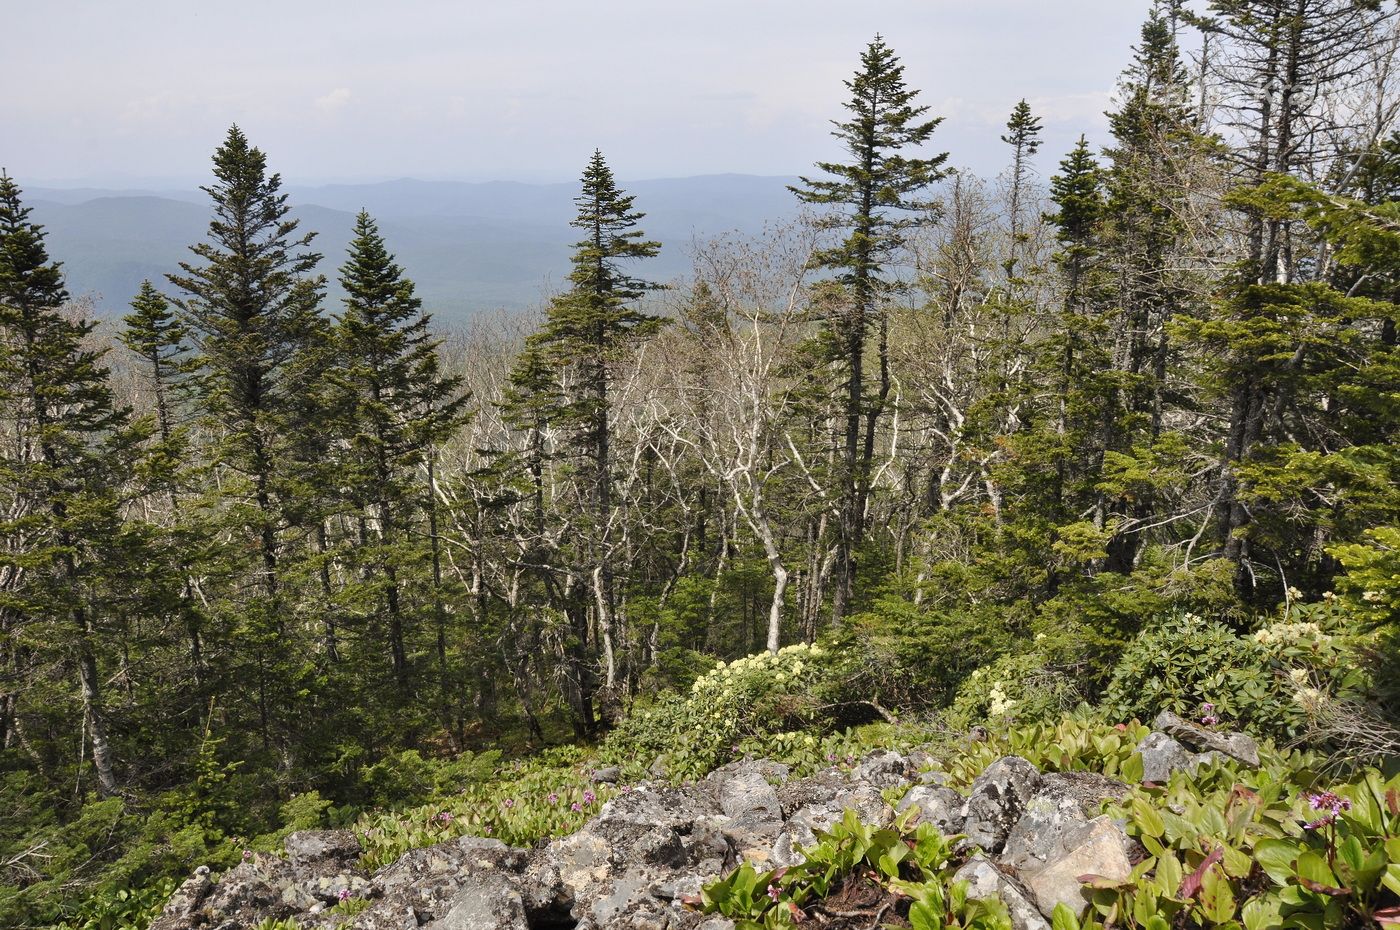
x=875, y=197
x=1023, y=135
x=61, y=540
x=588, y=331
x=251, y=301
x=396, y=405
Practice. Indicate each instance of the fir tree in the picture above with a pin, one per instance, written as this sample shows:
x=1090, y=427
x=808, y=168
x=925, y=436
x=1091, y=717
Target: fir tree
x=589, y=330
x=391, y=394
x=875, y=196
x=251, y=303
x=62, y=526
x=1023, y=135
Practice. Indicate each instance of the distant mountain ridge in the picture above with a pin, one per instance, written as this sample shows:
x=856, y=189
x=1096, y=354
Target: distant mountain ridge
x=470, y=247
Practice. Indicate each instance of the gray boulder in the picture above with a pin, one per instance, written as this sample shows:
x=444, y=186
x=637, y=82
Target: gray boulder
x=1054, y=818
x=985, y=880
x=996, y=801
x=942, y=807
x=882, y=768
x=181, y=912
x=319, y=849
x=485, y=901
x=1099, y=848
x=748, y=796
x=1162, y=756
x=1238, y=746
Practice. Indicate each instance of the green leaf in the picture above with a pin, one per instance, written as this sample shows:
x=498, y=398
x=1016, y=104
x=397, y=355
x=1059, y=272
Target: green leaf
x=1132, y=769
x=1064, y=918
x=1147, y=819
x=1217, y=898
x=1277, y=858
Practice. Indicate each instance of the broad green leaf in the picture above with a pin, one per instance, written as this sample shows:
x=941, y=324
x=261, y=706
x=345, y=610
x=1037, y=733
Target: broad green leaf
x=1064, y=918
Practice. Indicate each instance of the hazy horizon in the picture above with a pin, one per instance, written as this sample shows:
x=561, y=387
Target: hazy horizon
x=139, y=98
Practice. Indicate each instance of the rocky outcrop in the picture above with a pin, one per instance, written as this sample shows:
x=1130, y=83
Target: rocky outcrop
x=641, y=862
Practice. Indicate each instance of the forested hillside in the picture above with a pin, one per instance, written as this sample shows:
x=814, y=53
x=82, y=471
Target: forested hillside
x=993, y=448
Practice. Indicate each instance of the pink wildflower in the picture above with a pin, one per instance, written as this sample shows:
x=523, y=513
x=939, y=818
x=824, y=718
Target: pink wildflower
x=589, y=797
x=773, y=893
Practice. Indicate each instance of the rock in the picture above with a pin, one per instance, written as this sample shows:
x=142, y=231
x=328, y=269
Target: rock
x=1055, y=817
x=249, y=893
x=181, y=912
x=942, y=807
x=717, y=923
x=484, y=901
x=867, y=802
x=319, y=848
x=985, y=880
x=658, y=768
x=883, y=768
x=748, y=796
x=1099, y=849
x=1238, y=746
x=1162, y=755
x=996, y=801
x=607, y=776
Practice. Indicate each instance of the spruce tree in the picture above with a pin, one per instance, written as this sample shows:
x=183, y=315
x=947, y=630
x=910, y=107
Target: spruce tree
x=874, y=197
x=61, y=532
x=389, y=391
x=1023, y=135
x=251, y=302
x=589, y=330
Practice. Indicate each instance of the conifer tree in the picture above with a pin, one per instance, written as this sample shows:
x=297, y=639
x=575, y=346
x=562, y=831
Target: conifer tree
x=391, y=394
x=157, y=336
x=251, y=303
x=588, y=331
x=61, y=531
x=875, y=197
x=1023, y=135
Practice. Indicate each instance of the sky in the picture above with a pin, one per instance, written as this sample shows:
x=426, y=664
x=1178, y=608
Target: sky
x=133, y=93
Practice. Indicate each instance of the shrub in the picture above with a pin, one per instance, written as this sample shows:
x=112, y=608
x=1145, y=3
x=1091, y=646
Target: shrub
x=1024, y=688
x=1270, y=681
x=1186, y=661
x=799, y=688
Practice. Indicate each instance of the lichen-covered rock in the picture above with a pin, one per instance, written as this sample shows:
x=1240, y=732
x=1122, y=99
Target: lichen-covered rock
x=942, y=807
x=1238, y=746
x=1054, y=817
x=484, y=901
x=882, y=768
x=329, y=849
x=997, y=798
x=182, y=910
x=985, y=880
x=865, y=800
x=1099, y=848
x=747, y=795
x=1162, y=756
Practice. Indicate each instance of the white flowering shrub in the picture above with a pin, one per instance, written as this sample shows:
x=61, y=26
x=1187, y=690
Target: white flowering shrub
x=1020, y=687
x=750, y=698
x=1270, y=680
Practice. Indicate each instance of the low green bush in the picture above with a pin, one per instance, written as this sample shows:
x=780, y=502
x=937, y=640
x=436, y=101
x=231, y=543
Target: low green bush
x=799, y=688
x=1024, y=688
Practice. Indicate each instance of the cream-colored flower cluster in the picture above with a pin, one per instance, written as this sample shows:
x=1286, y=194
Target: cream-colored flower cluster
x=1289, y=634
x=786, y=665
x=998, y=703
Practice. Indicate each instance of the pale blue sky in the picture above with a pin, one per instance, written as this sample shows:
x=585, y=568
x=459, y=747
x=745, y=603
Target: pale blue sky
x=140, y=91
